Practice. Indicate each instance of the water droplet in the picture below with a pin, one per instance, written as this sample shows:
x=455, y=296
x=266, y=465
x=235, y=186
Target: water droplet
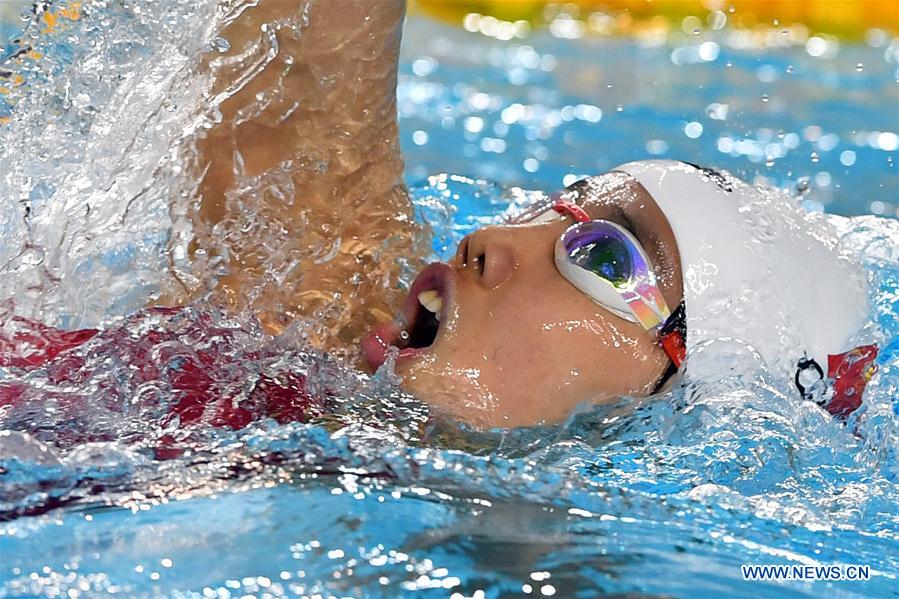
x=769, y=162
x=764, y=97
x=728, y=64
x=696, y=31
x=790, y=69
x=220, y=44
x=815, y=157
x=32, y=256
x=860, y=67
x=620, y=108
x=82, y=100
x=610, y=86
x=802, y=187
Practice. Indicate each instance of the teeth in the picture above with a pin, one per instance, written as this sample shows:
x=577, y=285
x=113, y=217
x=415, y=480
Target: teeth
x=431, y=301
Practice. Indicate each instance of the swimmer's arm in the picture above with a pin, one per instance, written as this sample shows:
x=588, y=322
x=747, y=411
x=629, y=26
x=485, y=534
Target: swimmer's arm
x=313, y=95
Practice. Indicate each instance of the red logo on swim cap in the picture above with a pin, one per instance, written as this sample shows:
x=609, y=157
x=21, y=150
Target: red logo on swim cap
x=850, y=372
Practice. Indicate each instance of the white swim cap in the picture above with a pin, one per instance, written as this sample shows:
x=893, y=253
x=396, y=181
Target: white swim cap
x=756, y=267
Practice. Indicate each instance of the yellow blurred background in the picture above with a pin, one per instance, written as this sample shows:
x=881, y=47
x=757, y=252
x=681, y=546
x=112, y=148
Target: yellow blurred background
x=848, y=19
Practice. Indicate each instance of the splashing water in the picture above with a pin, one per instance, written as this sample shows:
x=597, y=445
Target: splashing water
x=92, y=163
x=187, y=453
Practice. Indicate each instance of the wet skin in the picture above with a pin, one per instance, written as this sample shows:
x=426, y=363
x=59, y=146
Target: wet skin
x=518, y=344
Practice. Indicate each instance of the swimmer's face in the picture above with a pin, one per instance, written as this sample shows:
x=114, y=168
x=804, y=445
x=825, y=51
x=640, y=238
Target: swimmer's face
x=517, y=344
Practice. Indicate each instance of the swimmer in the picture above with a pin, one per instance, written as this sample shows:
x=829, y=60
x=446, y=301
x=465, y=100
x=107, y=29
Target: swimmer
x=614, y=286
x=601, y=294
x=615, y=283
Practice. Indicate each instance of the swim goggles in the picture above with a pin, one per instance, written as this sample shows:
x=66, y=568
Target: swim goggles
x=606, y=262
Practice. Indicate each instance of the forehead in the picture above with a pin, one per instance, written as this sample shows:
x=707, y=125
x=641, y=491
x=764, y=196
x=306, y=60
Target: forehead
x=607, y=196
x=603, y=196
x=614, y=196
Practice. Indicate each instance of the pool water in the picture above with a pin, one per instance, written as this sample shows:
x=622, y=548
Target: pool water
x=668, y=497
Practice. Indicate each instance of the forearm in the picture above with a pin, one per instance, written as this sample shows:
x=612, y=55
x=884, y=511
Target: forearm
x=305, y=162
x=321, y=94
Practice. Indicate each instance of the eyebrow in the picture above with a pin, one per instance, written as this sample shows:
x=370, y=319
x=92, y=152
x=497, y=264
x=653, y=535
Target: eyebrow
x=583, y=199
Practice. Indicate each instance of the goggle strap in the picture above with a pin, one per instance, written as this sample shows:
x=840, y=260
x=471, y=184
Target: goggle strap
x=673, y=335
x=666, y=376
x=674, y=346
x=573, y=210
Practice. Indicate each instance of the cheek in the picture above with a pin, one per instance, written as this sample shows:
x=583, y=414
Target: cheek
x=531, y=352
x=593, y=352
x=514, y=345
x=509, y=333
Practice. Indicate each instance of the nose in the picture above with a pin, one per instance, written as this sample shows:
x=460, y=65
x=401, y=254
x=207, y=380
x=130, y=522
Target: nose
x=487, y=255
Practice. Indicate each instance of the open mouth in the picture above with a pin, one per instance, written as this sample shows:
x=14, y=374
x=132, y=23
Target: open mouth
x=422, y=330
x=420, y=326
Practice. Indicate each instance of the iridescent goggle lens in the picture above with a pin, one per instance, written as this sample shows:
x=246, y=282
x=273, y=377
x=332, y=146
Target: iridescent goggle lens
x=604, y=261
x=608, y=264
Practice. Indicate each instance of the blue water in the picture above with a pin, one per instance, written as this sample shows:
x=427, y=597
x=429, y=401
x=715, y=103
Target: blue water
x=667, y=498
